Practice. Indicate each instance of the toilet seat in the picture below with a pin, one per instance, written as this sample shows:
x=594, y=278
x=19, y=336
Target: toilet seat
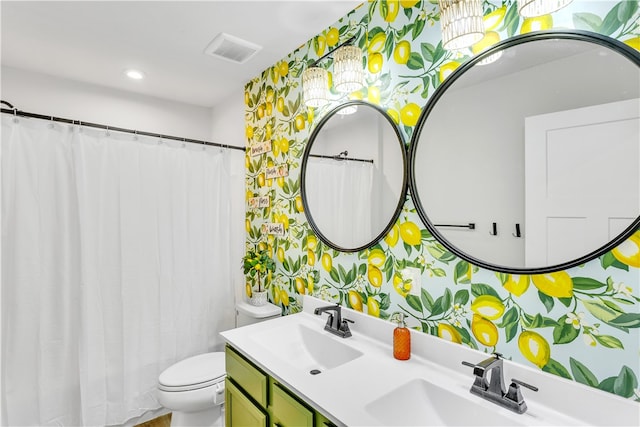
x=201, y=371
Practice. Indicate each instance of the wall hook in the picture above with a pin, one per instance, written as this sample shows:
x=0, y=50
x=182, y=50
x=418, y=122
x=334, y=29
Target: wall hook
x=494, y=229
x=517, y=233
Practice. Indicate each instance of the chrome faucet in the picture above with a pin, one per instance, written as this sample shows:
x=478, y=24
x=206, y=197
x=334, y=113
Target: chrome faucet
x=493, y=388
x=336, y=324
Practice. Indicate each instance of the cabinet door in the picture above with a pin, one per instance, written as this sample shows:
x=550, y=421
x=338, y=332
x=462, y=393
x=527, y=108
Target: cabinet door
x=239, y=410
x=286, y=411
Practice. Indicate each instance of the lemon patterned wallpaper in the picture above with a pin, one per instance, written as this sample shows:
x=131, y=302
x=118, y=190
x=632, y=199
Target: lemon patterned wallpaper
x=581, y=323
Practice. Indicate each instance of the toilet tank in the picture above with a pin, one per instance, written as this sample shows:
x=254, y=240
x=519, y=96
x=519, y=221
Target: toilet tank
x=247, y=314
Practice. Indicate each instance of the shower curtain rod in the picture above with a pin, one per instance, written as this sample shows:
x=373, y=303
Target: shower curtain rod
x=14, y=111
x=340, y=157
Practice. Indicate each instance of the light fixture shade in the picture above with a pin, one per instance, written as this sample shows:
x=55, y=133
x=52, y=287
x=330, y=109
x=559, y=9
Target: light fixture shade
x=461, y=22
x=532, y=8
x=348, y=74
x=315, y=87
x=345, y=111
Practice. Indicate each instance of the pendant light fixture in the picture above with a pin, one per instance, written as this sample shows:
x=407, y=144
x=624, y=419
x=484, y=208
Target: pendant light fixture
x=348, y=74
x=461, y=22
x=533, y=8
x=315, y=87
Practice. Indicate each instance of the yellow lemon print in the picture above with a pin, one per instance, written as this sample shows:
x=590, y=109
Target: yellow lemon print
x=558, y=284
x=262, y=246
x=374, y=275
x=488, y=306
x=284, y=220
x=327, y=262
x=269, y=182
x=247, y=225
x=280, y=181
x=249, y=132
x=538, y=23
x=284, y=145
x=355, y=300
x=410, y=233
x=376, y=257
x=261, y=180
x=247, y=290
x=628, y=252
x=275, y=148
x=377, y=42
x=311, y=258
x=310, y=284
x=268, y=108
x=408, y=4
x=269, y=96
x=247, y=162
x=634, y=42
x=373, y=94
x=534, y=348
x=270, y=163
x=401, y=52
x=517, y=285
x=260, y=111
x=395, y=116
x=374, y=62
x=276, y=295
x=332, y=37
x=299, y=122
x=484, y=330
x=409, y=114
x=389, y=9
x=393, y=235
x=280, y=104
x=449, y=333
x=312, y=242
x=490, y=38
x=310, y=114
x=300, y=285
x=319, y=45
x=283, y=68
x=284, y=298
x=299, y=205
x=447, y=69
x=373, y=307
x=280, y=254
x=400, y=286
x=493, y=19
x=248, y=194
x=247, y=98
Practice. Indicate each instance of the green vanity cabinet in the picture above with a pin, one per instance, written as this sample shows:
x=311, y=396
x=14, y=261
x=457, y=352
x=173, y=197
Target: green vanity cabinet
x=253, y=398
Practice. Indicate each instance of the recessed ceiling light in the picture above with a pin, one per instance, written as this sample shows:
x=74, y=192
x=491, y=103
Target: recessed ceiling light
x=134, y=74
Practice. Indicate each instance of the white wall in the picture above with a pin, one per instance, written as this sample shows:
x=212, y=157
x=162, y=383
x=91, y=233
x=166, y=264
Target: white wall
x=48, y=95
x=227, y=127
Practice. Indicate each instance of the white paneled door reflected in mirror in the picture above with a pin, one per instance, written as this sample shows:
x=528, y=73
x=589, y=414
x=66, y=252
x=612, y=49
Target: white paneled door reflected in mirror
x=545, y=157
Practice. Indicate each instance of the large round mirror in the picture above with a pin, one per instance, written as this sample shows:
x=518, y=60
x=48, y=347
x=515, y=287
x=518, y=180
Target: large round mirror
x=531, y=163
x=353, y=176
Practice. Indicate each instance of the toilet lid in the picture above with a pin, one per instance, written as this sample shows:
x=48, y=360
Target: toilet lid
x=199, y=371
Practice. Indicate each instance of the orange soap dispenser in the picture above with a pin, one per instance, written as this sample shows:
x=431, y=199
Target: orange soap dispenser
x=401, y=339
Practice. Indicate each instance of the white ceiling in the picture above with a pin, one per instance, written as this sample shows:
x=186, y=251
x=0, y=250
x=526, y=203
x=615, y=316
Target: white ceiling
x=95, y=41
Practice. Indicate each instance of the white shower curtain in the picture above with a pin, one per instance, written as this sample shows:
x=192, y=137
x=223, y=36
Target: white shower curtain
x=115, y=264
x=339, y=188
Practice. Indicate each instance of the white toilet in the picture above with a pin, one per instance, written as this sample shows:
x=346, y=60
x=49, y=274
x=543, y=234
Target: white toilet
x=193, y=389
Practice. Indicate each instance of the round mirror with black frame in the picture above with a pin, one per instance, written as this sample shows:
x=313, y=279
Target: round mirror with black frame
x=353, y=176
x=526, y=159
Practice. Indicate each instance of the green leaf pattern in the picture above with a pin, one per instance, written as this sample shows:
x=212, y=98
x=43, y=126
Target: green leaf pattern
x=592, y=335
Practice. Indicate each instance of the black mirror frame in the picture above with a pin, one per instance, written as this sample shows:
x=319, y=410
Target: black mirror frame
x=585, y=36
x=305, y=158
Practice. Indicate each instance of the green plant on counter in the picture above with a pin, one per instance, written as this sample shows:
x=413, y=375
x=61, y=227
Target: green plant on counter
x=257, y=263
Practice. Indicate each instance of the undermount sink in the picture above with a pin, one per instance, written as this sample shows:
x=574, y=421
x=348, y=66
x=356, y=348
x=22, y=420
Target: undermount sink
x=421, y=403
x=305, y=348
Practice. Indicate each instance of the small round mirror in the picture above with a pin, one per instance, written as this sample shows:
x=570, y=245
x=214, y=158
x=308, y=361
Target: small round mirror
x=353, y=176
x=531, y=163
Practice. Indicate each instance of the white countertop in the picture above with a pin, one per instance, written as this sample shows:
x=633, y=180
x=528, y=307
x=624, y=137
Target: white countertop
x=351, y=394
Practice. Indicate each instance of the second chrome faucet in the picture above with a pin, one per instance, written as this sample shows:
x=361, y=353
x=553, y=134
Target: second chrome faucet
x=336, y=324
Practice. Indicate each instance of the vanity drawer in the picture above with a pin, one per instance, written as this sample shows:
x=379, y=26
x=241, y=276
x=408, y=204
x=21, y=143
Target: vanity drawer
x=287, y=411
x=252, y=380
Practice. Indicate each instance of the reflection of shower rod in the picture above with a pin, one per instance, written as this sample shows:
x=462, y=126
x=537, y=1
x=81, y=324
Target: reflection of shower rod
x=341, y=156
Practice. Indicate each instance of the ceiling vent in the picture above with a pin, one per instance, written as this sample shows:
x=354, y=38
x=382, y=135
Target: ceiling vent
x=231, y=48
